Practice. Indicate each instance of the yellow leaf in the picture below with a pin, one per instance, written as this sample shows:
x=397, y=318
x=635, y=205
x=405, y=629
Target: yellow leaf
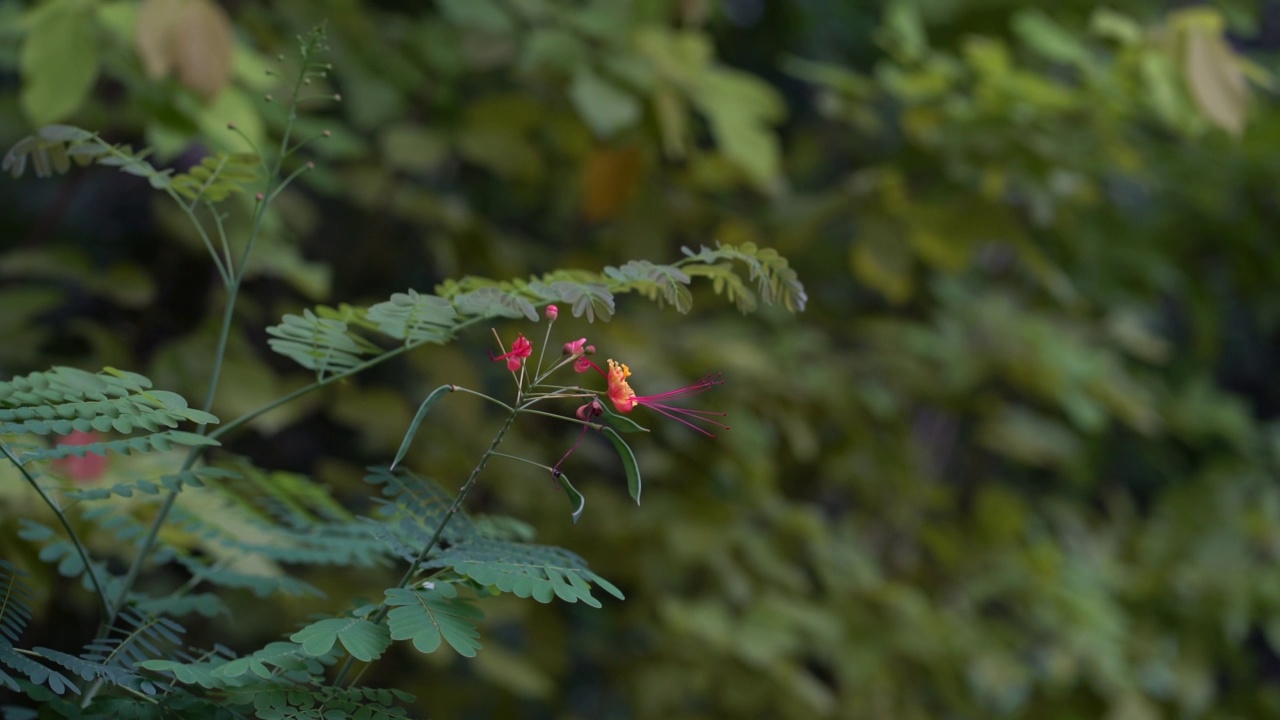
x=203, y=48
x=190, y=37
x=1215, y=78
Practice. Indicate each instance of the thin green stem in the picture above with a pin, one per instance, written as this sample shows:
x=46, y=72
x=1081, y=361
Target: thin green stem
x=222, y=233
x=566, y=418
x=234, y=277
x=381, y=614
x=526, y=461
x=542, y=351
x=224, y=270
x=104, y=600
x=494, y=400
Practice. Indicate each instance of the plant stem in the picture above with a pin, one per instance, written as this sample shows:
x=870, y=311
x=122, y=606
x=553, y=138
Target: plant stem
x=381, y=614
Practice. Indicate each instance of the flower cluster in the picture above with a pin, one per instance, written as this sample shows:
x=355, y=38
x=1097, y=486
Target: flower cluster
x=618, y=391
x=617, y=388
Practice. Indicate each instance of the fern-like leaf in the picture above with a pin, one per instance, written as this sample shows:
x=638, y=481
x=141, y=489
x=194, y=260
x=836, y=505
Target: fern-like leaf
x=494, y=302
x=15, y=603
x=33, y=671
x=419, y=501
x=176, y=482
x=319, y=344
x=161, y=441
x=56, y=551
x=91, y=670
x=54, y=147
x=365, y=703
x=217, y=176
x=331, y=340
x=589, y=299
x=665, y=283
x=775, y=280
x=542, y=572
x=136, y=637
x=362, y=639
x=62, y=400
x=259, y=585
x=277, y=657
x=414, y=317
x=431, y=614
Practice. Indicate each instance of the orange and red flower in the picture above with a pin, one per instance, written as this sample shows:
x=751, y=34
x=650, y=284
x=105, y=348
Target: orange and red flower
x=625, y=399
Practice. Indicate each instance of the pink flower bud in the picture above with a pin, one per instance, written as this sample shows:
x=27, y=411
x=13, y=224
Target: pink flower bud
x=552, y=312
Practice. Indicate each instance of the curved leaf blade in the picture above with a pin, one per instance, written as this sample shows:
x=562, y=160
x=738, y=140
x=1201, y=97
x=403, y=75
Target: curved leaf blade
x=628, y=462
x=423, y=409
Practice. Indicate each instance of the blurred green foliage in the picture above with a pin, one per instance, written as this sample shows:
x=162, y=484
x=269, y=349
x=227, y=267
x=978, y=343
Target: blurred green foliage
x=1018, y=458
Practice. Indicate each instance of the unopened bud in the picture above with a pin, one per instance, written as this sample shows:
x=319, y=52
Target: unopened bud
x=590, y=411
x=590, y=350
x=231, y=126
x=269, y=97
x=259, y=197
x=552, y=312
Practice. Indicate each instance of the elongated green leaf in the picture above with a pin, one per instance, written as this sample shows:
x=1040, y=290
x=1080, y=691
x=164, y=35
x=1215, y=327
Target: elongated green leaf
x=423, y=409
x=576, y=499
x=628, y=462
x=621, y=422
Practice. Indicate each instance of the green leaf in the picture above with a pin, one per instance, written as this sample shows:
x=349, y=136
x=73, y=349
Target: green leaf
x=606, y=107
x=217, y=176
x=620, y=422
x=666, y=283
x=320, y=344
x=414, y=316
x=740, y=108
x=494, y=302
x=628, y=462
x=364, y=640
x=423, y=409
x=432, y=614
x=1045, y=36
x=483, y=15
x=576, y=498
x=542, y=572
x=59, y=60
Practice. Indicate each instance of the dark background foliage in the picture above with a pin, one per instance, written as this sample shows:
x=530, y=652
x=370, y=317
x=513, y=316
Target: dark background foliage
x=1018, y=458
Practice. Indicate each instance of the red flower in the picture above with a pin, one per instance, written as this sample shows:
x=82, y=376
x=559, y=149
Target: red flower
x=580, y=348
x=625, y=399
x=520, y=349
x=87, y=467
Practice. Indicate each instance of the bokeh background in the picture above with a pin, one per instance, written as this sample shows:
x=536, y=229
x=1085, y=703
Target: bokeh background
x=1017, y=458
